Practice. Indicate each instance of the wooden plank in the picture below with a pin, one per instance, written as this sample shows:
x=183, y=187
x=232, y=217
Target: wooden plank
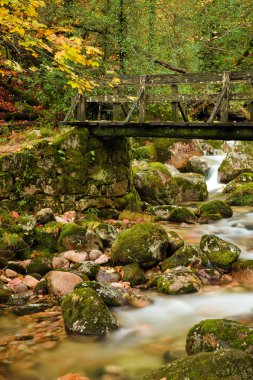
x=116, y=107
x=251, y=103
x=72, y=107
x=212, y=131
x=217, y=105
x=184, y=115
x=134, y=104
x=174, y=92
x=224, y=108
x=142, y=100
x=81, y=108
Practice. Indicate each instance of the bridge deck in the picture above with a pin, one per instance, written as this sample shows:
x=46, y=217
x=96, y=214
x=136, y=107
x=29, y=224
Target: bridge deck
x=184, y=130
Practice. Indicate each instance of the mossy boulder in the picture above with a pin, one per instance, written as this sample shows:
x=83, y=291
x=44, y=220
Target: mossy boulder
x=220, y=253
x=214, y=210
x=160, y=212
x=191, y=187
x=134, y=274
x=223, y=364
x=237, y=161
x=182, y=215
x=145, y=153
x=74, y=237
x=84, y=313
x=216, y=334
x=47, y=236
x=179, y=280
x=155, y=184
x=41, y=265
x=110, y=295
x=5, y=292
x=242, y=179
x=197, y=165
x=145, y=244
x=88, y=267
x=175, y=242
x=12, y=245
x=189, y=255
x=241, y=196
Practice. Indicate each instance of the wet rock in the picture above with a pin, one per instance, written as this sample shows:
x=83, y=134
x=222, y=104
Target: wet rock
x=198, y=165
x=60, y=284
x=191, y=187
x=138, y=300
x=17, y=286
x=60, y=262
x=155, y=184
x=95, y=254
x=242, y=179
x=145, y=244
x=223, y=364
x=189, y=255
x=216, y=334
x=209, y=276
x=133, y=274
x=239, y=160
x=10, y=273
x=180, y=280
x=241, y=196
x=107, y=275
x=182, y=215
x=85, y=313
x=18, y=299
x=220, y=253
x=214, y=210
x=44, y=216
x=110, y=295
x=242, y=271
x=75, y=256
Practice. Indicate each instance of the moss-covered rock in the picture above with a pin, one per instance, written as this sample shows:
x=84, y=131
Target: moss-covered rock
x=223, y=364
x=241, y=196
x=155, y=184
x=182, y=215
x=134, y=274
x=74, y=237
x=175, y=242
x=5, y=292
x=214, y=210
x=88, y=267
x=84, y=313
x=220, y=253
x=146, y=153
x=197, y=165
x=136, y=217
x=189, y=255
x=12, y=246
x=110, y=295
x=242, y=179
x=106, y=232
x=179, y=280
x=216, y=334
x=39, y=264
x=191, y=187
x=160, y=212
x=145, y=244
x=237, y=161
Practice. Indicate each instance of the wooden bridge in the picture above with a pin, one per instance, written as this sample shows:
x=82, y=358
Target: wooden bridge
x=123, y=107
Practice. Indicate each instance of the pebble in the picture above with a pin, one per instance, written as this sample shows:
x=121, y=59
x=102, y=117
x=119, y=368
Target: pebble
x=73, y=376
x=75, y=256
x=103, y=259
x=11, y=273
x=107, y=275
x=95, y=254
x=17, y=286
x=60, y=284
x=30, y=281
x=60, y=262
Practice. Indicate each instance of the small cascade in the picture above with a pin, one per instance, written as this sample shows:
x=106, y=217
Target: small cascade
x=213, y=183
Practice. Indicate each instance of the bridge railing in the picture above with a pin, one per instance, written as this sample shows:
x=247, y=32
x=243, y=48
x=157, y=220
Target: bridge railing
x=129, y=97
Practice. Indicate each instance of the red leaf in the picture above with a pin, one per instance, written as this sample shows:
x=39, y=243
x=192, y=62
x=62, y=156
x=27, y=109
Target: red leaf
x=15, y=214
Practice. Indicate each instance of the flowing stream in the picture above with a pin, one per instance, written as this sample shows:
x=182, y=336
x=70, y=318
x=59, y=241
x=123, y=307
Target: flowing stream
x=148, y=333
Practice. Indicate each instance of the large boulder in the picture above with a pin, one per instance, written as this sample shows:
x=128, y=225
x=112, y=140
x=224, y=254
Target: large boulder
x=220, y=365
x=214, y=210
x=242, y=179
x=198, y=165
x=237, y=161
x=220, y=253
x=110, y=295
x=145, y=244
x=191, y=187
x=179, y=280
x=155, y=184
x=216, y=334
x=189, y=255
x=84, y=313
x=241, y=196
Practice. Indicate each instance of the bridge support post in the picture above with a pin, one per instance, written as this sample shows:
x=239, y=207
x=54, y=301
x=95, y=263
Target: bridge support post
x=142, y=101
x=225, y=100
x=174, y=92
x=81, y=108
